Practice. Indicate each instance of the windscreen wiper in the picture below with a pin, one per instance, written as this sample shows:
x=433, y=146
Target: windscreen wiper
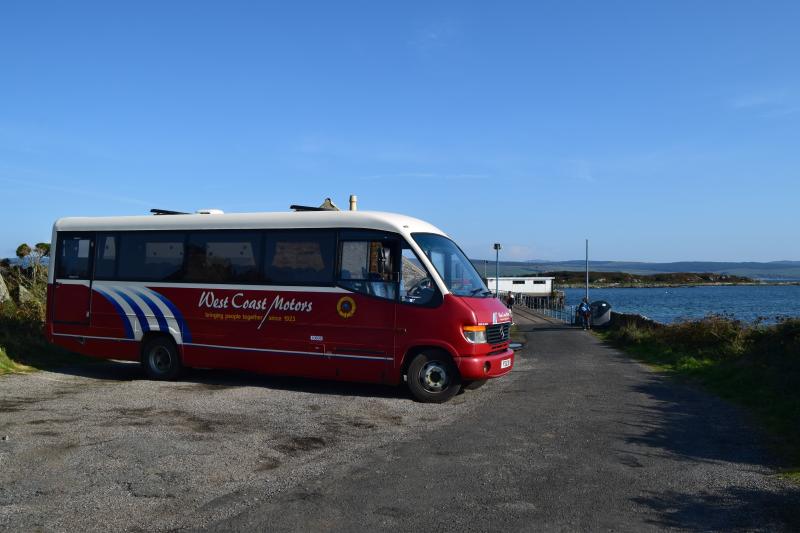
x=483, y=292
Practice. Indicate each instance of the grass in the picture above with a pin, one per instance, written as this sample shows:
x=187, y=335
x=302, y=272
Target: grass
x=23, y=348
x=792, y=475
x=755, y=366
x=9, y=366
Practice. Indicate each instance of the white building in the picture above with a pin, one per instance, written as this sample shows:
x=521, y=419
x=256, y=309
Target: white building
x=530, y=286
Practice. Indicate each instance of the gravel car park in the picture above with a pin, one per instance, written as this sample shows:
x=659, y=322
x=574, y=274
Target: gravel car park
x=101, y=448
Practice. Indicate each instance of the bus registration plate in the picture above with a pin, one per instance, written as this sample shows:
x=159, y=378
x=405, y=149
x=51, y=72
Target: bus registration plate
x=505, y=363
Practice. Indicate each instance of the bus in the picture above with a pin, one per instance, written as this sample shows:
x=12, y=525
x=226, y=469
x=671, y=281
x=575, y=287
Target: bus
x=340, y=295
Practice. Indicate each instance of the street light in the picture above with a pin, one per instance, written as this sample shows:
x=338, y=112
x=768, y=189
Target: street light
x=497, y=248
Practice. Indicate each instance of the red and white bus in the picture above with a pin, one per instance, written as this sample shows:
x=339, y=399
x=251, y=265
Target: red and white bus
x=347, y=295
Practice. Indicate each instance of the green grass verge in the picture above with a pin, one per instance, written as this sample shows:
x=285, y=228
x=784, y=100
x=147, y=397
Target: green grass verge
x=23, y=348
x=792, y=475
x=757, y=367
x=9, y=366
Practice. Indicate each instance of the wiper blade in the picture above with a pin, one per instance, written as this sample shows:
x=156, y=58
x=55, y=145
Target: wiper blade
x=483, y=292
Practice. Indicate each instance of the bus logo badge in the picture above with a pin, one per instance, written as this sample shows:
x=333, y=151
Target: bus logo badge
x=346, y=307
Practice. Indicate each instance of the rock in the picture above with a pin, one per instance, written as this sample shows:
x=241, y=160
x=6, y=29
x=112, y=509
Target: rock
x=4, y=294
x=24, y=295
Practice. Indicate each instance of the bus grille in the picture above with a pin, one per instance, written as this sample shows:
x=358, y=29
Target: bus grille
x=497, y=333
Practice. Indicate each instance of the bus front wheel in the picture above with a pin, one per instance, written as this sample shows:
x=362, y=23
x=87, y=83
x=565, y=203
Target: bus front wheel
x=433, y=378
x=160, y=359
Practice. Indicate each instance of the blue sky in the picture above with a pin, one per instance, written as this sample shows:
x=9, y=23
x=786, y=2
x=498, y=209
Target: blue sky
x=662, y=131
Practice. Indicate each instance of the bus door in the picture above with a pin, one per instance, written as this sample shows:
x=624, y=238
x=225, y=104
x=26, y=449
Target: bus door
x=363, y=346
x=418, y=318
x=72, y=289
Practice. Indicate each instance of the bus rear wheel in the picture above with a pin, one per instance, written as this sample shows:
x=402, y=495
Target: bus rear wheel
x=160, y=359
x=433, y=378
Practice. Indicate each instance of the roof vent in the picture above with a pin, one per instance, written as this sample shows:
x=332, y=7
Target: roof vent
x=210, y=212
x=167, y=212
x=327, y=205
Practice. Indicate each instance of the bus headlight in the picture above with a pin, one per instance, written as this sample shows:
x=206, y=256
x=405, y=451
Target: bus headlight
x=475, y=334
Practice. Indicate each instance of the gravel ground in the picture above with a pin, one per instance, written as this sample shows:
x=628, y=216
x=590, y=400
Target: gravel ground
x=101, y=448
x=577, y=437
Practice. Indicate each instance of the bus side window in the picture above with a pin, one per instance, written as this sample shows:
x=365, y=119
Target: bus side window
x=150, y=256
x=106, y=260
x=416, y=285
x=223, y=257
x=368, y=267
x=73, y=258
x=300, y=257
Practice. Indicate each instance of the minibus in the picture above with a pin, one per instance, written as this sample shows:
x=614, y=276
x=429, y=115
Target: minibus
x=341, y=295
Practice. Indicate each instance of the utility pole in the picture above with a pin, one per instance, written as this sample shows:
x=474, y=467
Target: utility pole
x=497, y=248
x=587, y=269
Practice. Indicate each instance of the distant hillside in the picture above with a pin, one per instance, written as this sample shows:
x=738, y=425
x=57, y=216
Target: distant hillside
x=788, y=270
x=575, y=277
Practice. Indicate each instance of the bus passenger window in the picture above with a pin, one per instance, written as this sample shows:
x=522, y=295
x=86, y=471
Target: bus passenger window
x=151, y=256
x=300, y=257
x=416, y=285
x=73, y=259
x=223, y=257
x=106, y=260
x=368, y=267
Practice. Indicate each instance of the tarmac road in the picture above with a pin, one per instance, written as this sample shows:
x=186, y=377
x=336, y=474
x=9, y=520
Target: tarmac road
x=578, y=437
x=581, y=439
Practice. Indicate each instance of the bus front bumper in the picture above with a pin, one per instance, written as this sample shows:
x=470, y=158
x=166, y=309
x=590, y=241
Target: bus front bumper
x=473, y=367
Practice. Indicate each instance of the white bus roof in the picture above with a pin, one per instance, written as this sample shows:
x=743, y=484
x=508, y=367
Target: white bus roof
x=293, y=220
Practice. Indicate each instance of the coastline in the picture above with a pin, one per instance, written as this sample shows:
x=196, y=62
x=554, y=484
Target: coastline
x=675, y=285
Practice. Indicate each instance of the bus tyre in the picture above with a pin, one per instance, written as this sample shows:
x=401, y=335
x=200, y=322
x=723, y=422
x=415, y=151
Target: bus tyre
x=160, y=359
x=477, y=384
x=433, y=378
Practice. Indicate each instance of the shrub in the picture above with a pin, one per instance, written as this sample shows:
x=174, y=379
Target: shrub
x=716, y=337
x=28, y=288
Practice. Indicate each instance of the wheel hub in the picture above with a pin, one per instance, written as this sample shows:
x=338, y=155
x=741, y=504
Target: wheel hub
x=160, y=359
x=434, y=377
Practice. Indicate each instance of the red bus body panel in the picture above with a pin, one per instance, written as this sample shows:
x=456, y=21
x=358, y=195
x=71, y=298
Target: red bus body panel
x=288, y=330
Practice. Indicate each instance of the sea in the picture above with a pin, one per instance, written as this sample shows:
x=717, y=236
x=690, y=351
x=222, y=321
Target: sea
x=749, y=303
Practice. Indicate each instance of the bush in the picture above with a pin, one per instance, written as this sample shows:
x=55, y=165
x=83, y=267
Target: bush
x=28, y=288
x=715, y=337
x=778, y=342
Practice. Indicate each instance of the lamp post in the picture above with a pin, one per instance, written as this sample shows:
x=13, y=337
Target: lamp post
x=497, y=248
x=587, y=269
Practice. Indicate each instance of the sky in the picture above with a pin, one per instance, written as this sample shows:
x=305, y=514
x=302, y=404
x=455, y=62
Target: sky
x=660, y=131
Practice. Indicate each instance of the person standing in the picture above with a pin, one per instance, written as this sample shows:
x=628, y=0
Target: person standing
x=585, y=312
x=510, y=300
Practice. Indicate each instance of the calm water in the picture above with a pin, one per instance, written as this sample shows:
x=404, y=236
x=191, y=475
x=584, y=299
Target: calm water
x=670, y=304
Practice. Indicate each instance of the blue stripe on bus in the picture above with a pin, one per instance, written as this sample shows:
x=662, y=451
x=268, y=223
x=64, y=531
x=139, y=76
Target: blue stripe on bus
x=185, y=334
x=120, y=311
x=162, y=321
x=136, y=309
